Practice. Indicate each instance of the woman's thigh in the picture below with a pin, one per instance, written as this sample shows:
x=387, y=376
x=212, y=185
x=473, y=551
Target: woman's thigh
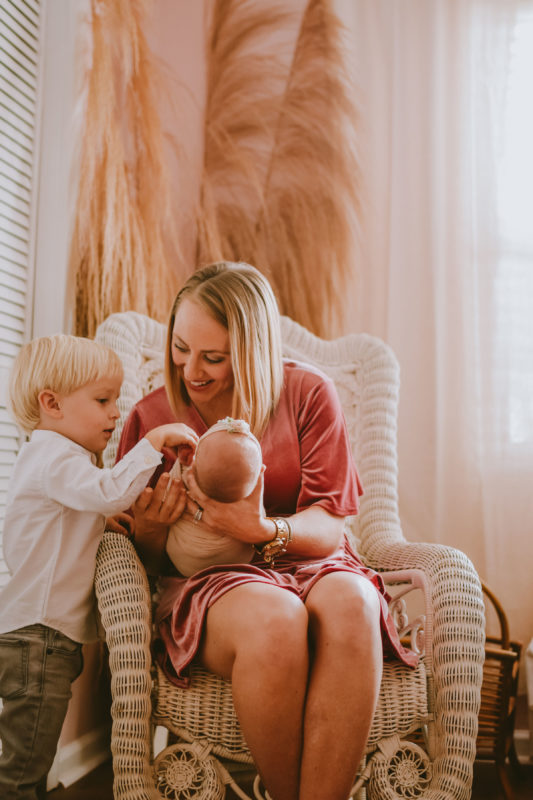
x=254, y=618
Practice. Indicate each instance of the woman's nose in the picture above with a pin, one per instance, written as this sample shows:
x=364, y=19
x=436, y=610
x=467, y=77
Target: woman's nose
x=192, y=368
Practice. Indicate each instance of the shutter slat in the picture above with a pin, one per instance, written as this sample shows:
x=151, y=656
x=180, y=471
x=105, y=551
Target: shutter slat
x=18, y=27
x=16, y=149
x=15, y=298
x=18, y=62
x=16, y=89
x=13, y=241
x=16, y=204
x=13, y=215
x=16, y=282
x=13, y=174
x=14, y=259
x=16, y=117
x=11, y=321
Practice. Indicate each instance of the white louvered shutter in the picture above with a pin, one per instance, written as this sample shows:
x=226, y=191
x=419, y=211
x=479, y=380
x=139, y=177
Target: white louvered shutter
x=19, y=88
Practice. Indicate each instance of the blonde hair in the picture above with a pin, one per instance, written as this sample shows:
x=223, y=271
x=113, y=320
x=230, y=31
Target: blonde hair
x=240, y=299
x=61, y=363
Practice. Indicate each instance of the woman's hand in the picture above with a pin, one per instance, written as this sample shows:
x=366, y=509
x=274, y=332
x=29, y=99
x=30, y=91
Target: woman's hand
x=244, y=519
x=154, y=511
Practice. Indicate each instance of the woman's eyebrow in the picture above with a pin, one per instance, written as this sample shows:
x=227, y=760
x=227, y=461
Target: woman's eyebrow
x=177, y=338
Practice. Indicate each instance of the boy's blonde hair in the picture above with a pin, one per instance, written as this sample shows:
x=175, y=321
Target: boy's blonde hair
x=241, y=299
x=61, y=363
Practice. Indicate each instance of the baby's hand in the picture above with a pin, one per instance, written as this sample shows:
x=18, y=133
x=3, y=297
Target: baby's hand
x=172, y=435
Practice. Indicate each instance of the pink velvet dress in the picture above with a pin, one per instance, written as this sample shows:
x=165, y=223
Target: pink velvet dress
x=308, y=461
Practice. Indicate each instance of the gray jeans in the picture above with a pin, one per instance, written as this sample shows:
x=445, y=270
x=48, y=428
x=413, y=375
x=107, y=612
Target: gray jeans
x=37, y=667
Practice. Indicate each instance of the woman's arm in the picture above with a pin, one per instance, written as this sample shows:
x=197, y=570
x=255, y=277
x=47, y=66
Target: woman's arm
x=315, y=532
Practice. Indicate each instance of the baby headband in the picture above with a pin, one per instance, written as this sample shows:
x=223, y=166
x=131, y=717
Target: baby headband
x=231, y=426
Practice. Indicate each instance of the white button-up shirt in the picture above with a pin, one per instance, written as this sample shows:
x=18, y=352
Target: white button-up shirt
x=58, y=500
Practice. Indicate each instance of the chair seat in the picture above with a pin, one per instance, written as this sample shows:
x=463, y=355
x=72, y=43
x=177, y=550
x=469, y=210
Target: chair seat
x=205, y=710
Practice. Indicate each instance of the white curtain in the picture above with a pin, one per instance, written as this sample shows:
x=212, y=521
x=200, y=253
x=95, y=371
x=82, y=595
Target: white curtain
x=447, y=276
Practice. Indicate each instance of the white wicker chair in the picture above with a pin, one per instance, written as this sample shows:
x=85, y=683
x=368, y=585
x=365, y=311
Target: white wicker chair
x=423, y=737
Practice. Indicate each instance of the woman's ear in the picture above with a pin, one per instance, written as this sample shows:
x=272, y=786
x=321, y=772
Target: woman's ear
x=49, y=403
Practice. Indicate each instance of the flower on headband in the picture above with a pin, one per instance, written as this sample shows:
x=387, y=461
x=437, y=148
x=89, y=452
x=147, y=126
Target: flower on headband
x=234, y=425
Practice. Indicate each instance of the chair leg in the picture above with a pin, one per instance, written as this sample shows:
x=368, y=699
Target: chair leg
x=504, y=780
x=513, y=759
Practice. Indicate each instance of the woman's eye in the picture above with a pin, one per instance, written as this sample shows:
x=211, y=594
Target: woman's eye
x=214, y=360
x=180, y=348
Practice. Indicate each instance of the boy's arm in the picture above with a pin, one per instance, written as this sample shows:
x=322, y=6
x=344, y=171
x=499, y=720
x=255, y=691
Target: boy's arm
x=75, y=482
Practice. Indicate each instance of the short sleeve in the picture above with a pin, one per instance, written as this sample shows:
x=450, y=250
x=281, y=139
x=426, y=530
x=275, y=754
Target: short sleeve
x=148, y=413
x=306, y=448
x=329, y=475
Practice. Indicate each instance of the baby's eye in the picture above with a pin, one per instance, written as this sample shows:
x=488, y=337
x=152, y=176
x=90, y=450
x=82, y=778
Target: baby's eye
x=102, y=400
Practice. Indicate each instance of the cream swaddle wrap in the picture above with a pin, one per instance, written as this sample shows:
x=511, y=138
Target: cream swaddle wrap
x=226, y=464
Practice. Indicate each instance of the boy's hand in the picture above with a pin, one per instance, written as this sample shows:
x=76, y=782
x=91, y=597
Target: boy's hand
x=172, y=435
x=121, y=523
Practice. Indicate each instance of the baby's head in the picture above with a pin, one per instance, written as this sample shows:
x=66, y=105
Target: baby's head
x=61, y=364
x=228, y=461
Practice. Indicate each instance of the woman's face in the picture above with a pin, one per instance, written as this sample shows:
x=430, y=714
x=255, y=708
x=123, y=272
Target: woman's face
x=201, y=353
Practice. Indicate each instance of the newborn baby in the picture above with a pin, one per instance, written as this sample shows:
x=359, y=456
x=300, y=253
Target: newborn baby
x=226, y=465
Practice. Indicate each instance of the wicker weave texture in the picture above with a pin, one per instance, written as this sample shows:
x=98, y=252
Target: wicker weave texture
x=443, y=692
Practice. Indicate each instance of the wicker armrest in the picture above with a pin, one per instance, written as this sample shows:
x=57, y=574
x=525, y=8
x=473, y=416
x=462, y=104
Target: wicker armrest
x=123, y=597
x=455, y=636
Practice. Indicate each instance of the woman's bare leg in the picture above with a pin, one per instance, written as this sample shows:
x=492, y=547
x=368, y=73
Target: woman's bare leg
x=256, y=635
x=344, y=619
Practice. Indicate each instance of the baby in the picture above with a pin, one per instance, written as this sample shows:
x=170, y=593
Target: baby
x=226, y=465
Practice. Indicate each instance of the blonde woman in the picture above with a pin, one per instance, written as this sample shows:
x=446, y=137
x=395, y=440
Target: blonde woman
x=301, y=630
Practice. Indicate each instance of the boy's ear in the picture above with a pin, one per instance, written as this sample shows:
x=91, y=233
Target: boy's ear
x=49, y=403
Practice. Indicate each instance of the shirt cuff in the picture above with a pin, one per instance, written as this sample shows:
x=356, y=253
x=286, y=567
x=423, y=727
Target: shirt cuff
x=143, y=455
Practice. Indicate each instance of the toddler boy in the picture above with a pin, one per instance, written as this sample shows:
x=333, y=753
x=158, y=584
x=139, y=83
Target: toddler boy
x=63, y=393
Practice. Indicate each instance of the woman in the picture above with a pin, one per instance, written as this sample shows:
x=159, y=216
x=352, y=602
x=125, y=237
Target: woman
x=301, y=630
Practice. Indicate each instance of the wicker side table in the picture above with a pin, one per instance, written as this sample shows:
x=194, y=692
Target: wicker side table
x=495, y=739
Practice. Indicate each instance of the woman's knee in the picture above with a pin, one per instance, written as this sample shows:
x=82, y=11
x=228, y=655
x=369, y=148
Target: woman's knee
x=277, y=623
x=341, y=601
x=255, y=621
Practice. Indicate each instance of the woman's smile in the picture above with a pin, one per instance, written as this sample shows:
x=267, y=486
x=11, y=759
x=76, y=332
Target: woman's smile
x=201, y=353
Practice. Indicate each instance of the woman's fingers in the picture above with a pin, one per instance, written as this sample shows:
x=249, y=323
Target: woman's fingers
x=163, y=502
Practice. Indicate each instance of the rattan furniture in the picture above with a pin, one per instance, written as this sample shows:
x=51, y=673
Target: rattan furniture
x=495, y=738
x=436, y=704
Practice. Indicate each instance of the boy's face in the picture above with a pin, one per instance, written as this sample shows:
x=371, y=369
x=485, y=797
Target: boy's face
x=89, y=414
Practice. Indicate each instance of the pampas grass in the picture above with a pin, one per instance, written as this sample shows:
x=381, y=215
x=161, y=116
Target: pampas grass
x=281, y=182
x=119, y=252
x=244, y=84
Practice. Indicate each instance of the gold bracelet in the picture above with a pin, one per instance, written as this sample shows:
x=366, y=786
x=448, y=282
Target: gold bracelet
x=278, y=545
